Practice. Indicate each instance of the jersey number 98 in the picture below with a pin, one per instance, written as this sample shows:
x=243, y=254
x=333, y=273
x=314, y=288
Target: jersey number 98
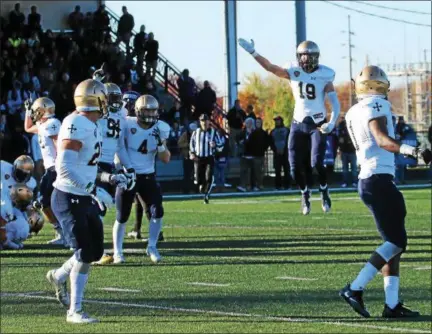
x=310, y=91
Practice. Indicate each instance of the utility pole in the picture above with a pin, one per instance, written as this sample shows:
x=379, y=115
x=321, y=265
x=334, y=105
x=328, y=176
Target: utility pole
x=350, y=59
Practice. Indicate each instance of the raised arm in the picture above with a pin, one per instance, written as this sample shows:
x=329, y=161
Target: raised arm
x=29, y=126
x=265, y=63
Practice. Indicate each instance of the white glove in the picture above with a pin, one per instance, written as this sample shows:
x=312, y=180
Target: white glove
x=326, y=128
x=248, y=46
x=6, y=210
x=103, y=199
x=119, y=180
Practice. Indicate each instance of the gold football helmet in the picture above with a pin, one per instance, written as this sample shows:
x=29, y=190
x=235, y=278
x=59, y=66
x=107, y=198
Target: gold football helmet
x=308, y=54
x=91, y=95
x=21, y=196
x=146, y=110
x=42, y=107
x=372, y=80
x=23, y=167
x=35, y=219
x=115, y=97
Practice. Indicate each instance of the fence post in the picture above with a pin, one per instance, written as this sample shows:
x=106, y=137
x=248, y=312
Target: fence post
x=166, y=76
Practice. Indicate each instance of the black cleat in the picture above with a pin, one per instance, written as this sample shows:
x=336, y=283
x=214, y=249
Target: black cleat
x=206, y=199
x=355, y=300
x=305, y=203
x=400, y=311
x=325, y=199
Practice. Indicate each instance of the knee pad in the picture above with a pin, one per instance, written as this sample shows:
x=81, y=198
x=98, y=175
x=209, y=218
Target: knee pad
x=388, y=250
x=155, y=211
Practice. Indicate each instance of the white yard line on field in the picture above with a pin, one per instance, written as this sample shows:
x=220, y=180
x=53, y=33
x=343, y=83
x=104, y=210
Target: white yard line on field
x=296, y=278
x=231, y=314
x=423, y=268
x=208, y=284
x=118, y=290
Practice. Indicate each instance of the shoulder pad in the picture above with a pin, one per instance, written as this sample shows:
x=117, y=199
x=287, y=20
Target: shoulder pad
x=327, y=73
x=77, y=127
x=52, y=126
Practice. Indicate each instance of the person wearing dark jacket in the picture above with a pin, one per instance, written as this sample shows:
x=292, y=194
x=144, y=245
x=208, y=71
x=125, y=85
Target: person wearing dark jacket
x=34, y=20
x=152, y=55
x=249, y=112
x=348, y=154
x=76, y=19
x=16, y=19
x=279, y=145
x=139, y=46
x=125, y=27
x=187, y=90
x=206, y=100
x=247, y=157
x=236, y=116
x=261, y=142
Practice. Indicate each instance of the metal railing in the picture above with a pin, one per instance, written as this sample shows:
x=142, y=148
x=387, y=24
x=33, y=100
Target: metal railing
x=166, y=72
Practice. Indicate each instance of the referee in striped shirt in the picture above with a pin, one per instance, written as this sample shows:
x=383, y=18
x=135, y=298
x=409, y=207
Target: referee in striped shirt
x=202, y=147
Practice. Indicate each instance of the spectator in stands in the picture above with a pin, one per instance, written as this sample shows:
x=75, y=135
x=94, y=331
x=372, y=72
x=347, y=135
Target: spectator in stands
x=260, y=142
x=15, y=99
x=30, y=93
x=279, y=140
x=101, y=23
x=187, y=90
x=178, y=113
x=18, y=137
x=16, y=19
x=125, y=27
x=221, y=164
x=173, y=138
x=14, y=41
x=139, y=46
x=151, y=56
x=247, y=160
x=206, y=101
x=249, y=112
x=76, y=19
x=33, y=40
x=188, y=163
x=88, y=24
x=134, y=77
x=348, y=154
x=34, y=20
x=235, y=117
x=165, y=115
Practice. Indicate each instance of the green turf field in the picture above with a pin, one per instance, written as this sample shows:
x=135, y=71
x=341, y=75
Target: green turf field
x=236, y=265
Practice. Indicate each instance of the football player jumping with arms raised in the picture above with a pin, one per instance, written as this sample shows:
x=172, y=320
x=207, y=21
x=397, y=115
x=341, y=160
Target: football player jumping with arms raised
x=371, y=130
x=310, y=82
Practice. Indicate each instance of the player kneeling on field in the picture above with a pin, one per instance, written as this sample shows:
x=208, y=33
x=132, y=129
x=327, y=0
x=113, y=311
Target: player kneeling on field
x=25, y=219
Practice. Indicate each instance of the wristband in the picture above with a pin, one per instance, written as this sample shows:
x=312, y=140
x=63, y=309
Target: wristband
x=407, y=149
x=255, y=54
x=28, y=112
x=161, y=148
x=105, y=177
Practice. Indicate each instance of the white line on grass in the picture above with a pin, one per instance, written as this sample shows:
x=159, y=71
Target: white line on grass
x=208, y=284
x=423, y=268
x=229, y=314
x=296, y=278
x=118, y=290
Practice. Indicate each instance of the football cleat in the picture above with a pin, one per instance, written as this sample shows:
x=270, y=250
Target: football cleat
x=154, y=254
x=355, y=300
x=58, y=240
x=104, y=260
x=60, y=289
x=399, y=311
x=325, y=200
x=305, y=203
x=80, y=317
x=206, y=199
x=134, y=235
x=119, y=259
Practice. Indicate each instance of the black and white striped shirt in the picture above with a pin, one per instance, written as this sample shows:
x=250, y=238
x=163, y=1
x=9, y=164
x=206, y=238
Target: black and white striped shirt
x=200, y=142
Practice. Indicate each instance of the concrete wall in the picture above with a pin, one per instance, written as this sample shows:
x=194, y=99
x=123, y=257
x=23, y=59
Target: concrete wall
x=54, y=13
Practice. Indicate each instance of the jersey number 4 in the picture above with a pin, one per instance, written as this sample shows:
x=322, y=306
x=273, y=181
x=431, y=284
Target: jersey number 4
x=310, y=91
x=95, y=158
x=143, y=147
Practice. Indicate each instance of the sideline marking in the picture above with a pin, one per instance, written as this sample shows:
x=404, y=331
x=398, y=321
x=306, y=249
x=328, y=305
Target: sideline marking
x=207, y=284
x=118, y=290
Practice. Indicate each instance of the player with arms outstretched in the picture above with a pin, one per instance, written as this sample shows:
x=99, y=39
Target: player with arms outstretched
x=40, y=119
x=78, y=152
x=371, y=130
x=310, y=83
x=145, y=138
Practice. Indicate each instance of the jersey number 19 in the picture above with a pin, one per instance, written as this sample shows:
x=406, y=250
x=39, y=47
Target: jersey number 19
x=310, y=91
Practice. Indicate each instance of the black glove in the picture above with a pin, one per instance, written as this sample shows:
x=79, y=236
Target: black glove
x=37, y=205
x=426, y=154
x=156, y=134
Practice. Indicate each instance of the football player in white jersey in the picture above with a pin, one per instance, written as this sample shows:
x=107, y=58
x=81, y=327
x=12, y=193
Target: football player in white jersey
x=371, y=129
x=40, y=119
x=310, y=83
x=78, y=152
x=19, y=172
x=113, y=129
x=145, y=138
